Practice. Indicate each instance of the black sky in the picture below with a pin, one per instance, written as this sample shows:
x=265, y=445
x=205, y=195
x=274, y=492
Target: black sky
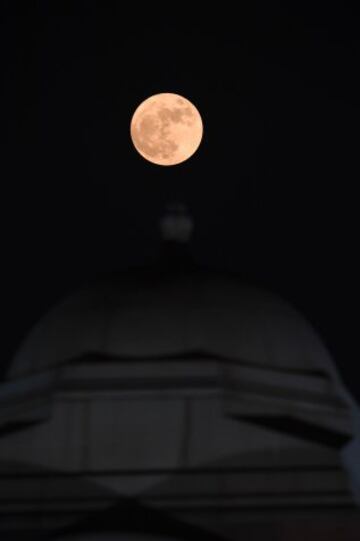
x=272, y=188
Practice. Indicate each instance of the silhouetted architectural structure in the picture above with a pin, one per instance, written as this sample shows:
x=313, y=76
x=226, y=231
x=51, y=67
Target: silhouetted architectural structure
x=167, y=405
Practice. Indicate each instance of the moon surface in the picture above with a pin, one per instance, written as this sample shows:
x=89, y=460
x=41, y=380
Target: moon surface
x=166, y=129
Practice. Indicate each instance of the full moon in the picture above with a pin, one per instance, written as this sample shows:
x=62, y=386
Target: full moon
x=166, y=129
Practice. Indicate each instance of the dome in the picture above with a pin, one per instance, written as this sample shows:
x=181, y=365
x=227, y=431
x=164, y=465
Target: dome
x=147, y=315
x=198, y=370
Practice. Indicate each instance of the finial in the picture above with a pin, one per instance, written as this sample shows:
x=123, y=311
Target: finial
x=176, y=225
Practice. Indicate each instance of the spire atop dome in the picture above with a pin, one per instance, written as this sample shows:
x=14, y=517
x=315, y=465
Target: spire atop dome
x=176, y=227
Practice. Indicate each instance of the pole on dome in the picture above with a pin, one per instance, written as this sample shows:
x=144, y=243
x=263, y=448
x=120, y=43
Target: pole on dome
x=176, y=228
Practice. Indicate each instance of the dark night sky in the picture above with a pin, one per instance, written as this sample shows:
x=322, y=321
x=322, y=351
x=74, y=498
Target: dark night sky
x=272, y=188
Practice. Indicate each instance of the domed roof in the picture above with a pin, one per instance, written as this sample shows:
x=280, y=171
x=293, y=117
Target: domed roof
x=147, y=315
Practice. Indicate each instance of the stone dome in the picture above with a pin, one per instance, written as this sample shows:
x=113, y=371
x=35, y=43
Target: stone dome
x=147, y=315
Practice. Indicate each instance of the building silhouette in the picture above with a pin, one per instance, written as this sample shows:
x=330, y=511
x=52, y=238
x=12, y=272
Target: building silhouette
x=173, y=402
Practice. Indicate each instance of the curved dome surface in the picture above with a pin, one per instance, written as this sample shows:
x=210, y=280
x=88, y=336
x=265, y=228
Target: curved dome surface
x=131, y=316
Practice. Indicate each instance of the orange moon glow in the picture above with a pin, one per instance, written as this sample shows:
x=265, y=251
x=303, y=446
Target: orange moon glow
x=166, y=129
